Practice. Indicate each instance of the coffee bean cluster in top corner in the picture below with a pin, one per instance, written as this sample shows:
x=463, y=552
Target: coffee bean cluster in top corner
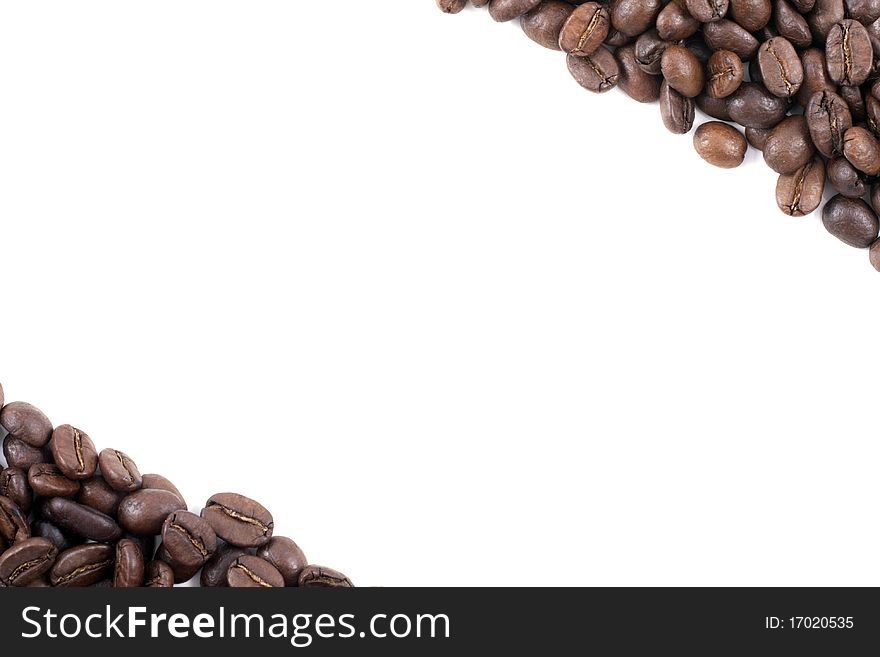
x=802, y=77
x=73, y=516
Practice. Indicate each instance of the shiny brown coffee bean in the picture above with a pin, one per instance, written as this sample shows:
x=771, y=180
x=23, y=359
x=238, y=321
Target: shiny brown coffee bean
x=286, y=556
x=143, y=511
x=15, y=486
x=815, y=76
x=26, y=561
x=848, y=53
x=97, y=494
x=851, y=221
x=707, y=11
x=585, y=29
x=633, y=80
x=845, y=178
x=800, y=193
x=752, y=106
x=74, y=452
x=677, y=111
x=597, y=72
x=14, y=526
x=724, y=74
x=187, y=538
x=543, y=24
x=792, y=25
x=161, y=483
x=682, y=71
x=751, y=15
x=862, y=150
x=781, y=70
x=789, y=146
x=675, y=23
x=27, y=423
x=649, y=51
x=828, y=118
x=321, y=577
x=253, y=572
x=159, y=575
x=727, y=35
x=182, y=572
x=80, y=520
x=507, y=10
x=720, y=144
x=633, y=17
x=128, y=569
x=46, y=480
x=21, y=455
x=119, y=471
x=215, y=570
x=238, y=520
x=83, y=565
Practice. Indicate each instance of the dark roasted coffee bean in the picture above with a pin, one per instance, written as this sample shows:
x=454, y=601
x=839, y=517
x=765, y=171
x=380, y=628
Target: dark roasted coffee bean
x=674, y=22
x=253, y=572
x=824, y=16
x=26, y=561
x=15, y=486
x=14, y=526
x=853, y=98
x=182, y=572
x=724, y=74
x=46, y=480
x=74, y=452
x=649, y=51
x=286, y=556
x=682, y=71
x=585, y=29
x=828, y=119
x=79, y=519
x=159, y=575
x=815, y=76
x=727, y=35
x=849, y=54
x=83, y=565
x=597, y=72
x=752, y=106
x=788, y=146
x=717, y=108
x=633, y=80
x=846, y=178
x=238, y=520
x=143, y=512
x=119, y=471
x=507, y=10
x=21, y=455
x=792, y=25
x=707, y=11
x=851, y=221
x=751, y=15
x=96, y=493
x=720, y=144
x=800, y=193
x=320, y=577
x=632, y=17
x=757, y=137
x=214, y=571
x=61, y=539
x=863, y=11
x=27, y=423
x=187, y=538
x=161, y=483
x=676, y=110
x=862, y=150
x=128, y=569
x=781, y=69
x=543, y=24
x=451, y=6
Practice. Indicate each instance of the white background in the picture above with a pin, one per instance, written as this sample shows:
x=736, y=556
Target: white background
x=454, y=319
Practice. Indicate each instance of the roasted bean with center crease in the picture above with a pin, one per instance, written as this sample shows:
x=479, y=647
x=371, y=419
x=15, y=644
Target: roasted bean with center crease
x=238, y=520
x=597, y=72
x=14, y=526
x=862, y=149
x=849, y=53
x=725, y=74
x=26, y=561
x=828, y=119
x=320, y=577
x=585, y=29
x=706, y=11
x=800, y=193
x=188, y=538
x=15, y=486
x=83, y=565
x=781, y=69
x=159, y=575
x=253, y=572
x=119, y=471
x=286, y=556
x=128, y=569
x=74, y=452
x=46, y=480
x=677, y=111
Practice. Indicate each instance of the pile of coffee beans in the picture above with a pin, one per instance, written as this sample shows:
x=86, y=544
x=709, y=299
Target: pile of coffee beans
x=801, y=78
x=73, y=516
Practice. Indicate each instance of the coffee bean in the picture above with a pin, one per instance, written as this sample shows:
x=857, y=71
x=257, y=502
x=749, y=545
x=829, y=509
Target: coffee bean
x=676, y=110
x=27, y=423
x=752, y=106
x=824, y=16
x=507, y=10
x=15, y=486
x=675, y=23
x=649, y=51
x=781, y=69
x=727, y=35
x=725, y=74
x=253, y=572
x=182, y=572
x=46, y=480
x=143, y=512
x=791, y=24
x=451, y=6
x=321, y=577
x=215, y=570
x=286, y=556
x=633, y=80
x=720, y=144
x=83, y=565
x=848, y=53
x=128, y=569
x=26, y=561
x=862, y=150
x=707, y=11
x=187, y=538
x=119, y=471
x=800, y=193
x=585, y=29
x=543, y=24
x=633, y=17
x=751, y=15
x=14, y=526
x=789, y=146
x=21, y=455
x=161, y=483
x=159, y=575
x=828, y=119
x=863, y=11
x=238, y=520
x=846, y=178
x=717, y=108
x=61, y=539
x=74, y=452
x=757, y=137
x=682, y=71
x=97, y=494
x=851, y=221
x=597, y=72
x=80, y=519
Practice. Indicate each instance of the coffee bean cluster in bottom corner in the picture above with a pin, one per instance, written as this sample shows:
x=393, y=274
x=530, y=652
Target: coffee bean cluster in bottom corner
x=73, y=516
x=800, y=76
